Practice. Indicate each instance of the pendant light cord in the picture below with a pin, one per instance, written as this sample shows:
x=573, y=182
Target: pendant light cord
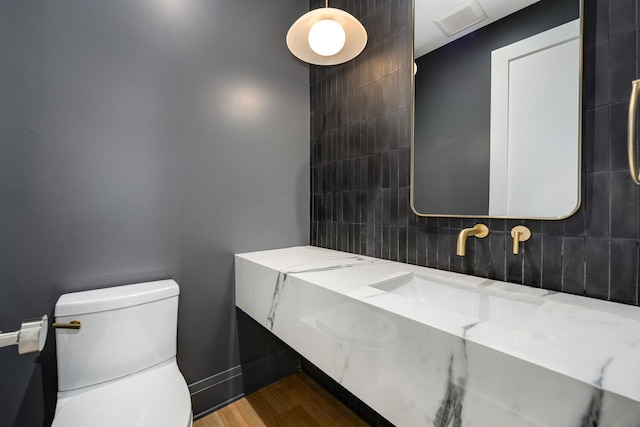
x=326, y=3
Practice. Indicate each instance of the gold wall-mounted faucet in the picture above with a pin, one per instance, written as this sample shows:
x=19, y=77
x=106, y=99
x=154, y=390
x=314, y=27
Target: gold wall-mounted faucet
x=520, y=233
x=479, y=230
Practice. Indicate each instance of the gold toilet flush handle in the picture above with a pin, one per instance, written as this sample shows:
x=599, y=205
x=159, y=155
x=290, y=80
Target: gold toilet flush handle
x=74, y=324
x=520, y=233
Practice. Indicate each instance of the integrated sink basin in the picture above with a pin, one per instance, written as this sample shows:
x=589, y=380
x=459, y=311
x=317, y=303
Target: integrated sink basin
x=474, y=301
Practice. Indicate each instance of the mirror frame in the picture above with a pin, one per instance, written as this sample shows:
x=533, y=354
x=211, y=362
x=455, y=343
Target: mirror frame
x=580, y=124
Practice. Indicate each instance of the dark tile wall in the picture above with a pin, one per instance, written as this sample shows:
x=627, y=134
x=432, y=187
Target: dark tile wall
x=360, y=160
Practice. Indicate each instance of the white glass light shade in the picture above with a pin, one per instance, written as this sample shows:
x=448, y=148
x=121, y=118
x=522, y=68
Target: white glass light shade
x=326, y=37
x=298, y=36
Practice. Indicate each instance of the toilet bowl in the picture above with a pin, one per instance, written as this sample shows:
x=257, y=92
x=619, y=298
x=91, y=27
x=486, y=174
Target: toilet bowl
x=119, y=368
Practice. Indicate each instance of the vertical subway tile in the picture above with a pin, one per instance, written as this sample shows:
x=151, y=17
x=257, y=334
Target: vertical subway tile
x=394, y=243
x=372, y=174
x=596, y=20
x=313, y=233
x=432, y=250
x=346, y=236
x=622, y=64
x=552, y=228
x=403, y=206
x=390, y=54
x=596, y=74
x=378, y=101
x=389, y=93
x=412, y=251
x=391, y=129
x=619, y=116
x=412, y=218
x=378, y=166
x=404, y=129
x=386, y=206
x=595, y=140
x=514, y=268
x=597, y=268
x=497, y=225
x=404, y=166
x=376, y=58
x=576, y=224
x=444, y=249
x=482, y=257
x=532, y=255
x=624, y=267
x=421, y=246
x=364, y=172
x=377, y=241
x=455, y=224
x=346, y=207
x=404, y=13
x=573, y=265
x=393, y=206
x=402, y=244
x=624, y=197
x=387, y=19
x=534, y=225
x=386, y=171
x=361, y=212
x=321, y=242
x=377, y=206
x=364, y=233
x=458, y=263
x=393, y=168
x=552, y=263
x=497, y=251
x=622, y=16
x=386, y=242
x=597, y=204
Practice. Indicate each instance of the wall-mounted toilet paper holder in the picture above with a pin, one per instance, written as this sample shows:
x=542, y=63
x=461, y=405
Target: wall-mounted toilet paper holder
x=30, y=338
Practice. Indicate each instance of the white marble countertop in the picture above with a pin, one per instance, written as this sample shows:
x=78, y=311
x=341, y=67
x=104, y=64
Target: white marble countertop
x=593, y=341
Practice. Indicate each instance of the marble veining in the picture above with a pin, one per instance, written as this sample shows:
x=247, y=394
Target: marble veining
x=271, y=318
x=282, y=277
x=450, y=411
x=513, y=356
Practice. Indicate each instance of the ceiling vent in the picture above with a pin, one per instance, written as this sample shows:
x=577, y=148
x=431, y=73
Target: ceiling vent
x=461, y=17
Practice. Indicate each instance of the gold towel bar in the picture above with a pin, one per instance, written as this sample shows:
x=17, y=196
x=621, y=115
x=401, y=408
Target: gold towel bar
x=631, y=132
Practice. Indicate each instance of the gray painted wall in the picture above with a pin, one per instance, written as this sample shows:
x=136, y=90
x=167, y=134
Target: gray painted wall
x=143, y=140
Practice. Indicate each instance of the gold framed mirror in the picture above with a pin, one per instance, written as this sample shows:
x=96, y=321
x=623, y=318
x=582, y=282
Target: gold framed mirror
x=497, y=108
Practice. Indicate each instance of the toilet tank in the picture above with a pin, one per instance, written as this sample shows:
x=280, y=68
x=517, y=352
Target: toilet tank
x=125, y=329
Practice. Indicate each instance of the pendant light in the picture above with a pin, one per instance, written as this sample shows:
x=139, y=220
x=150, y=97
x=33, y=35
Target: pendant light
x=326, y=36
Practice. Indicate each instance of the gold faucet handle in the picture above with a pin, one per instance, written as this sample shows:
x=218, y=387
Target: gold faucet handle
x=520, y=233
x=481, y=231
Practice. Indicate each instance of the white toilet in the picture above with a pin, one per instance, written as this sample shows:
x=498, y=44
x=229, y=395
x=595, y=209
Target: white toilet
x=119, y=369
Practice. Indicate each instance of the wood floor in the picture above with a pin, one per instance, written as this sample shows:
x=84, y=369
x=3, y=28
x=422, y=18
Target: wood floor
x=293, y=401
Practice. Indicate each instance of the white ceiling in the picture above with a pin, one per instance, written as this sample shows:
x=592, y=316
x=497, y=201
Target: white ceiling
x=428, y=36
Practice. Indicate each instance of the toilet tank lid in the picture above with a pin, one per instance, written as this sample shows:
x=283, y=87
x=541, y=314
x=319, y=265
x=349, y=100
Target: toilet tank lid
x=115, y=297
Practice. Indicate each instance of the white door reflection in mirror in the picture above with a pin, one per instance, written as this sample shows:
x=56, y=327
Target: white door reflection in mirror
x=516, y=83
x=535, y=93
